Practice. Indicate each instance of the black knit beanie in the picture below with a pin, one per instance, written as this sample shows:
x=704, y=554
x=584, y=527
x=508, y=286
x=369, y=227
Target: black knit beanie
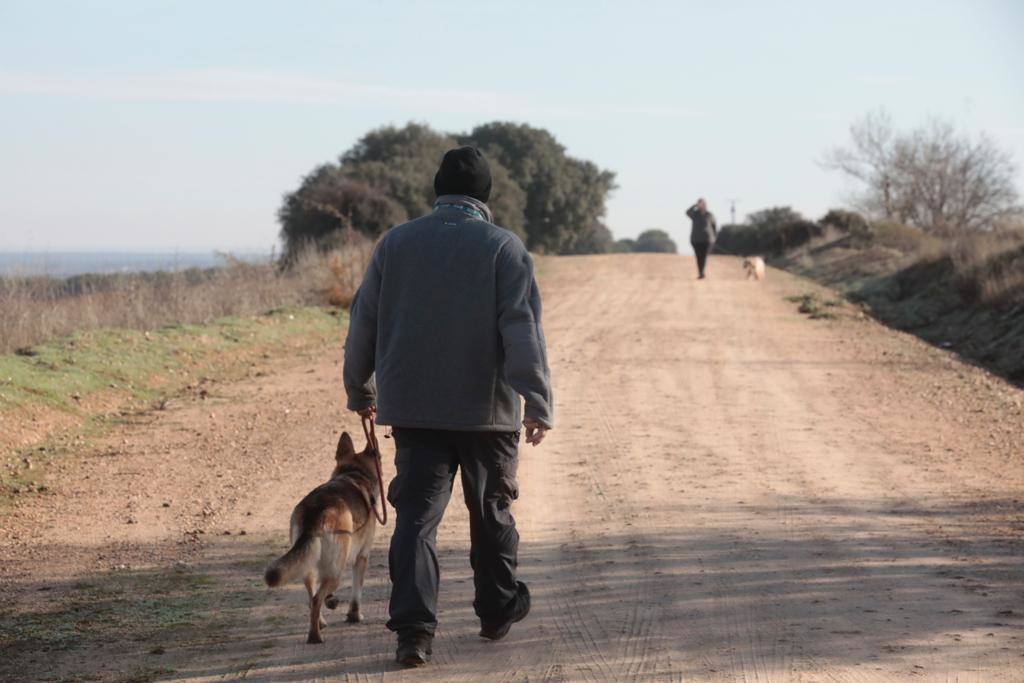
x=464, y=170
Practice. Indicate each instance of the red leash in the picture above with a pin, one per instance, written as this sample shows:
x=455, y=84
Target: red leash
x=371, y=439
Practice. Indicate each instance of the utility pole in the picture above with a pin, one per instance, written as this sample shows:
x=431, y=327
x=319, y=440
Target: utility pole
x=732, y=209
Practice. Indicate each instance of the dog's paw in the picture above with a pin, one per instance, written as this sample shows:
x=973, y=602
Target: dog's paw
x=315, y=639
x=354, y=617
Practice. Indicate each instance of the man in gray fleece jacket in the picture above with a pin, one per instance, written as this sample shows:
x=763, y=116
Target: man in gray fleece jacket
x=447, y=320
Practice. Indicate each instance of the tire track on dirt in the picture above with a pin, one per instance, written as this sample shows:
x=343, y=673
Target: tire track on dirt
x=633, y=627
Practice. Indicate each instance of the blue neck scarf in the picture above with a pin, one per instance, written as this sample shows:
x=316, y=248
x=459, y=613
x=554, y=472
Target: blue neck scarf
x=464, y=208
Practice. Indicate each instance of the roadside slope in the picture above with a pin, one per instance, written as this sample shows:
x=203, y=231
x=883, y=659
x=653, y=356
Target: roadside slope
x=734, y=492
x=966, y=295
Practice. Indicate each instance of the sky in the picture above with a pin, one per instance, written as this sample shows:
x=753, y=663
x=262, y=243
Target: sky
x=179, y=125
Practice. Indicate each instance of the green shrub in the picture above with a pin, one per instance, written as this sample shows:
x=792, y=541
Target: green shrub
x=768, y=232
x=655, y=241
x=850, y=222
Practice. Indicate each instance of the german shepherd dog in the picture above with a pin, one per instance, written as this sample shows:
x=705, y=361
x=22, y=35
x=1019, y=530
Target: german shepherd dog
x=330, y=528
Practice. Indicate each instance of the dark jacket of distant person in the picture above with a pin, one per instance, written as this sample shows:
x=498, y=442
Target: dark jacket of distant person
x=449, y=316
x=705, y=229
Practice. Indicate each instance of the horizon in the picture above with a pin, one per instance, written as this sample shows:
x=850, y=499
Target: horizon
x=42, y=251
x=151, y=128
x=67, y=263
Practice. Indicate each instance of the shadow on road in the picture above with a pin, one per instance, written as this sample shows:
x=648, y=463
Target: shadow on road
x=684, y=593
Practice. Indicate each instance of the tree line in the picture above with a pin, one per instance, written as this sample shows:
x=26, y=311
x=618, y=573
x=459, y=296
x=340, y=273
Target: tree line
x=932, y=178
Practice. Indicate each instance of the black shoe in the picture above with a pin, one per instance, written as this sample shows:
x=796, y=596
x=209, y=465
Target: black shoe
x=414, y=649
x=496, y=630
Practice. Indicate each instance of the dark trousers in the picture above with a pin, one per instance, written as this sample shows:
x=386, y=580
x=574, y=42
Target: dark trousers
x=700, y=250
x=426, y=461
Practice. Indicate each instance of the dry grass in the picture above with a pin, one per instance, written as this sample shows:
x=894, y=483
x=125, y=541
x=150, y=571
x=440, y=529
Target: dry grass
x=903, y=238
x=344, y=271
x=36, y=309
x=989, y=266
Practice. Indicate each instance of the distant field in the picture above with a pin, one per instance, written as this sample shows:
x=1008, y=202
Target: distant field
x=68, y=263
x=39, y=308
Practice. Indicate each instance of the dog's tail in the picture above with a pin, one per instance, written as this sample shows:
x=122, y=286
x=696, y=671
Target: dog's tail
x=286, y=567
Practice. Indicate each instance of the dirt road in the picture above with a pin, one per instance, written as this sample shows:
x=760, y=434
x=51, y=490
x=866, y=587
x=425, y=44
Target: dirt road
x=734, y=492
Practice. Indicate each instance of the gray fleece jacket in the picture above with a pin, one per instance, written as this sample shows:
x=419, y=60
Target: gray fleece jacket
x=448, y=319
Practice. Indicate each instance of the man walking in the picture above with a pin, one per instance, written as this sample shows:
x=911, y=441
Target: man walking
x=703, y=233
x=448, y=318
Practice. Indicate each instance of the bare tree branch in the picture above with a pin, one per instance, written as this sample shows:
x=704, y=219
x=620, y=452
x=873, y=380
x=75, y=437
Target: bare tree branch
x=933, y=177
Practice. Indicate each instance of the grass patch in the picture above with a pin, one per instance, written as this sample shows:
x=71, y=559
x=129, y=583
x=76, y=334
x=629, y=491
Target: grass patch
x=57, y=393
x=814, y=306
x=64, y=373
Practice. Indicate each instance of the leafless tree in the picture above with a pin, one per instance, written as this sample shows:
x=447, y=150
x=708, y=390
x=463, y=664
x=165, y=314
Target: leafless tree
x=934, y=177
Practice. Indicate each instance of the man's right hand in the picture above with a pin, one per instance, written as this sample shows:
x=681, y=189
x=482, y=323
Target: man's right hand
x=535, y=431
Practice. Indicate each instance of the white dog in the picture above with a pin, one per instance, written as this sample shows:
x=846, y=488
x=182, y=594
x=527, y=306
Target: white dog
x=754, y=267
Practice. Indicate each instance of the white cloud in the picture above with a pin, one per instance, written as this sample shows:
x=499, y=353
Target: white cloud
x=225, y=85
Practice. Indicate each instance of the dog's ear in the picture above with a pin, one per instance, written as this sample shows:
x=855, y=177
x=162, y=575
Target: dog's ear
x=346, y=448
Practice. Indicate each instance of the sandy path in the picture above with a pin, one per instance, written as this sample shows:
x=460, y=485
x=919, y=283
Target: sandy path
x=734, y=493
